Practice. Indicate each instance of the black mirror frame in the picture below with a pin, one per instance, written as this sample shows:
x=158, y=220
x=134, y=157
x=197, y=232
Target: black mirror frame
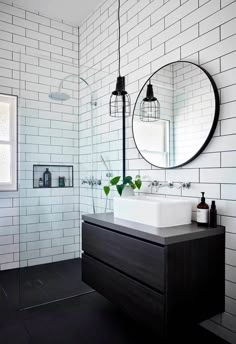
x=214, y=124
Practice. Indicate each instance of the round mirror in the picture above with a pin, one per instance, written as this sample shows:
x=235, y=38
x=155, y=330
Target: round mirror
x=175, y=114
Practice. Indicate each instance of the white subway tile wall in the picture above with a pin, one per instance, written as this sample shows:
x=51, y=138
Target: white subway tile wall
x=32, y=64
x=36, y=52
x=155, y=33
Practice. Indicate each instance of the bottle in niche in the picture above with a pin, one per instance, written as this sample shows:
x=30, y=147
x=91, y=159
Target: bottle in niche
x=213, y=215
x=62, y=181
x=40, y=182
x=202, y=212
x=47, y=179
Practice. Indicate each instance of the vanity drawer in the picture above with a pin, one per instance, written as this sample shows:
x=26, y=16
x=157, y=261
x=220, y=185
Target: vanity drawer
x=141, y=260
x=140, y=302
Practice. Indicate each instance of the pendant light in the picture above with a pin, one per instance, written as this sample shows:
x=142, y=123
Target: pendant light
x=120, y=105
x=150, y=106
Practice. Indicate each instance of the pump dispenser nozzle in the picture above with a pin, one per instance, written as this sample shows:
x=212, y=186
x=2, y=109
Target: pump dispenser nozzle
x=203, y=197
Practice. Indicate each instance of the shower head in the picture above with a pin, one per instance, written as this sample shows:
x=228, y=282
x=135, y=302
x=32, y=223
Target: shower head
x=59, y=96
x=62, y=96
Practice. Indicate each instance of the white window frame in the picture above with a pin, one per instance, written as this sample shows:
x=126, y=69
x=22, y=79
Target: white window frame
x=13, y=102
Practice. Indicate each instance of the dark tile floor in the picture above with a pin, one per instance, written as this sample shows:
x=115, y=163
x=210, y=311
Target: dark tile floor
x=36, y=285
x=85, y=319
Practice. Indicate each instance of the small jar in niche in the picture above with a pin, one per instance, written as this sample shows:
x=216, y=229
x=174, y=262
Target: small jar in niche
x=61, y=182
x=40, y=183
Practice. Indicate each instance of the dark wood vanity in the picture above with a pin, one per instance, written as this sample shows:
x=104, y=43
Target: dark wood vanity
x=165, y=278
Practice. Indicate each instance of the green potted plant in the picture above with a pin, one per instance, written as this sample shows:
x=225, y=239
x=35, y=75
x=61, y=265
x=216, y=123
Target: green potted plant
x=120, y=186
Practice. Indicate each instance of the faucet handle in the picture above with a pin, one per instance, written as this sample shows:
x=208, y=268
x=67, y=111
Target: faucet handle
x=153, y=183
x=184, y=185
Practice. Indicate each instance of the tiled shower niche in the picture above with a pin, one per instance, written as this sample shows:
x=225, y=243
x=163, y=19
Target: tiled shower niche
x=56, y=172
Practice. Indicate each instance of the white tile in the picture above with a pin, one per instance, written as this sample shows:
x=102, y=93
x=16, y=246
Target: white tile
x=6, y=240
x=200, y=43
x=211, y=190
x=6, y=258
x=50, y=48
x=225, y=78
x=228, y=94
x=228, y=126
x=61, y=43
x=12, y=10
x=230, y=273
x=222, y=144
x=228, y=159
x=38, y=261
x=44, y=252
x=176, y=175
x=5, y=17
x=4, y=249
x=168, y=33
x=50, y=31
x=199, y=14
x=163, y=11
x=61, y=26
x=218, y=18
x=37, y=18
x=181, y=12
x=217, y=50
x=218, y=175
x=25, y=23
x=17, y=30
x=228, y=61
x=71, y=248
x=38, y=36
x=228, y=191
x=60, y=257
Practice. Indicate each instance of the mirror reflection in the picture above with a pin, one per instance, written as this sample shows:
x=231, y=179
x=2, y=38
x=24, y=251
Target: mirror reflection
x=174, y=114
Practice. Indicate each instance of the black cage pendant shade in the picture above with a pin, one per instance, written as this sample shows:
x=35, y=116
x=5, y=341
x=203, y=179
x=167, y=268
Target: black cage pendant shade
x=150, y=106
x=120, y=104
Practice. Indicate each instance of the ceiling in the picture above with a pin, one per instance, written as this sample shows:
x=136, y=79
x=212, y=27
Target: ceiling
x=70, y=11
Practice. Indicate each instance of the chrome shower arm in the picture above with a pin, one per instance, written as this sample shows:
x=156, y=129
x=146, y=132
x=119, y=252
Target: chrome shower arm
x=70, y=76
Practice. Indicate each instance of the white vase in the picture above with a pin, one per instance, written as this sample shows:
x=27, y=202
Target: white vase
x=128, y=191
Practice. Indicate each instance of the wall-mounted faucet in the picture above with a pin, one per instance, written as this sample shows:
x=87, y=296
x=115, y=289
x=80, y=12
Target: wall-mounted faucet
x=91, y=181
x=158, y=185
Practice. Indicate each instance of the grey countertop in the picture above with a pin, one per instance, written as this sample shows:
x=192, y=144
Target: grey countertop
x=163, y=236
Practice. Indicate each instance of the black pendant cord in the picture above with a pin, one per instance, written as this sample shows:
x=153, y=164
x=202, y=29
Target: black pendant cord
x=124, y=102
x=119, y=36
x=124, y=138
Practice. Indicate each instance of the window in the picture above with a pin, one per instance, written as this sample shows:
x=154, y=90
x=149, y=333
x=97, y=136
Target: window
x=8, y=143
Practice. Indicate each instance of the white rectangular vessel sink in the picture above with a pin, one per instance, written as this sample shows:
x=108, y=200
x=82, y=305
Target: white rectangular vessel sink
x=153, y=211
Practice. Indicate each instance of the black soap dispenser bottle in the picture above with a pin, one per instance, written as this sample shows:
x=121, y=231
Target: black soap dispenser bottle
x=213, y=215
x=47, y=179
x=202, y=212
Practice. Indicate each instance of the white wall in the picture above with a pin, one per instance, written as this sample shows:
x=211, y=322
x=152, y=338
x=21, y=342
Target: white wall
x=155, y=33
x=48, y=134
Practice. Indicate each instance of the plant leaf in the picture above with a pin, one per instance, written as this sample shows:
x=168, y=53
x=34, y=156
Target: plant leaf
x=138, y=183
x=127, y=180
x=133, y=186
x=115, y=180
x=106, y=189
x=120, y=188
